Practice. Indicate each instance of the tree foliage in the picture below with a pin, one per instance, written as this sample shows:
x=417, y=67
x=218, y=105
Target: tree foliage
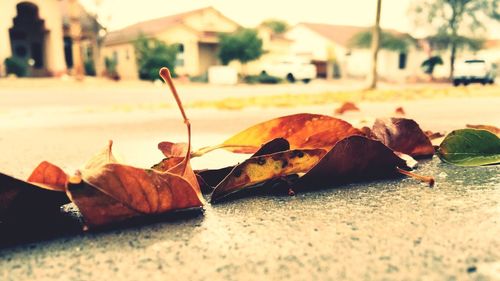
x=243, y=45
x=153, y=54
x=388, y=41
x=457, y=22
x=429, y=64
x=277, y=26
x=442, y=41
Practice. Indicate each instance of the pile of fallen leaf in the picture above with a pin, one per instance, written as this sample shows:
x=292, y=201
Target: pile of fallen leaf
x=290, y=154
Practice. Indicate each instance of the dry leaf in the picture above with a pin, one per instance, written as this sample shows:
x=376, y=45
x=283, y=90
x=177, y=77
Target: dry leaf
x=170, y=149
x=354, y=158
x=400, y=111
x=107, y=192
x=300, y=130
x=403, y=135
x=118, y=192
x=433, y=135
x=49, y=176
x=490, y=128
x=208, y=179
x=258, y=169
x=346, y=106
x=21, y=198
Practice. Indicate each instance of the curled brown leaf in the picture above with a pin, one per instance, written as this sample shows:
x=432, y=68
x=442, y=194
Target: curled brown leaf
x=354, y=158
x=403, y=135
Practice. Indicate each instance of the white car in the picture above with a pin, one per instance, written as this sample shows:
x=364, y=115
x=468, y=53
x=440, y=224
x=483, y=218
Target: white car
x=474, y=71
x=291, y=69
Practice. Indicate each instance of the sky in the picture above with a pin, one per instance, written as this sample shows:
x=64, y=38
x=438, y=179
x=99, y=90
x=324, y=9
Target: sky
x=116, y=14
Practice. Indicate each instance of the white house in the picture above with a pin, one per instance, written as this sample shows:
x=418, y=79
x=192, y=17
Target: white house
x=322, y=43
x=58, y=36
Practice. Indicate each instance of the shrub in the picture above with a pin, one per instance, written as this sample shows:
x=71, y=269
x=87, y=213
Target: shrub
x=200, y=79
x=89, y=67
x=262, y=78
x=153, y=54
x=17, y=66
x=110, y=64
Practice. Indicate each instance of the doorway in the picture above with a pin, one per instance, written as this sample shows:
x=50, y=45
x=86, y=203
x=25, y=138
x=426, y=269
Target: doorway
x=27, y=38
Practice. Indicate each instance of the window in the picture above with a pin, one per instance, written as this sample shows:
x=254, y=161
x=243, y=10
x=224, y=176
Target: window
x=68, y=51
x=89, y=53
x=402, y=60
x=179, y=59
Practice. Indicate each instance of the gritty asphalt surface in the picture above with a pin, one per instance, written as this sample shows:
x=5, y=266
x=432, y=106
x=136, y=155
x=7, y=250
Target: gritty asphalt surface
x=385, y=230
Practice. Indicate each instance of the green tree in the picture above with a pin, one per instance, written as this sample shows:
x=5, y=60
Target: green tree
x=388, y=41
x=153, y=54
x=243, y=45
x=277, y=26
x=455, y=21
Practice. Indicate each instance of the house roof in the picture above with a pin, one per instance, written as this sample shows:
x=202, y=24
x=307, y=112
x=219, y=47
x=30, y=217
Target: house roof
x=341, y=34
x=492, y=44
x=150, y=27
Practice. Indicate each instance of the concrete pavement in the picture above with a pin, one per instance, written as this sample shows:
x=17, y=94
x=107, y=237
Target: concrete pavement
x=386, y=230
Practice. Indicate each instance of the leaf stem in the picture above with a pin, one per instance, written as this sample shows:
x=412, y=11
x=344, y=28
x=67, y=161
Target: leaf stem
x=110, y=148
x=204, y=150
x=428, y=180
x=167, y=77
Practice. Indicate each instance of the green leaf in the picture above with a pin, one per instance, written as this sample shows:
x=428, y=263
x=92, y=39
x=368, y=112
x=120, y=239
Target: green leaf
x=469, y=147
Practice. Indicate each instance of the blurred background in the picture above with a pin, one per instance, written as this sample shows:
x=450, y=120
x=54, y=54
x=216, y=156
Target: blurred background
x=225, y=42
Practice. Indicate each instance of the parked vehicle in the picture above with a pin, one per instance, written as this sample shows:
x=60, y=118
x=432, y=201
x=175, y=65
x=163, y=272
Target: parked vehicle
x=291, y=69
x=474, y=71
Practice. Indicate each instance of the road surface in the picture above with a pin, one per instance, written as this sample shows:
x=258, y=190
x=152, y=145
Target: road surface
x=386, y=230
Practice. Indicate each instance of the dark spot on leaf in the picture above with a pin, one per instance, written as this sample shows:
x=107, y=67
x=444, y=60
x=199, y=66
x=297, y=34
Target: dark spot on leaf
x=237, y=173
x=284, y=164
x=300, y=154
x=261, y=161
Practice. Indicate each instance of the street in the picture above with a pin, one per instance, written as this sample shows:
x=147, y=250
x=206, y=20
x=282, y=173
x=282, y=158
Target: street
x=391, y=230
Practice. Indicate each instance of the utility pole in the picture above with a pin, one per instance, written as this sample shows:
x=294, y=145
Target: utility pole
x=375, y=47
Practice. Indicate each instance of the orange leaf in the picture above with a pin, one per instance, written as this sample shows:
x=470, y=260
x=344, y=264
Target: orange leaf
x=346, y=106
x=170, y=149
x=49, y=176
x=118, y=192
x=302, y=130
x=108, y=192
x=175, y=166
x=400, y=111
